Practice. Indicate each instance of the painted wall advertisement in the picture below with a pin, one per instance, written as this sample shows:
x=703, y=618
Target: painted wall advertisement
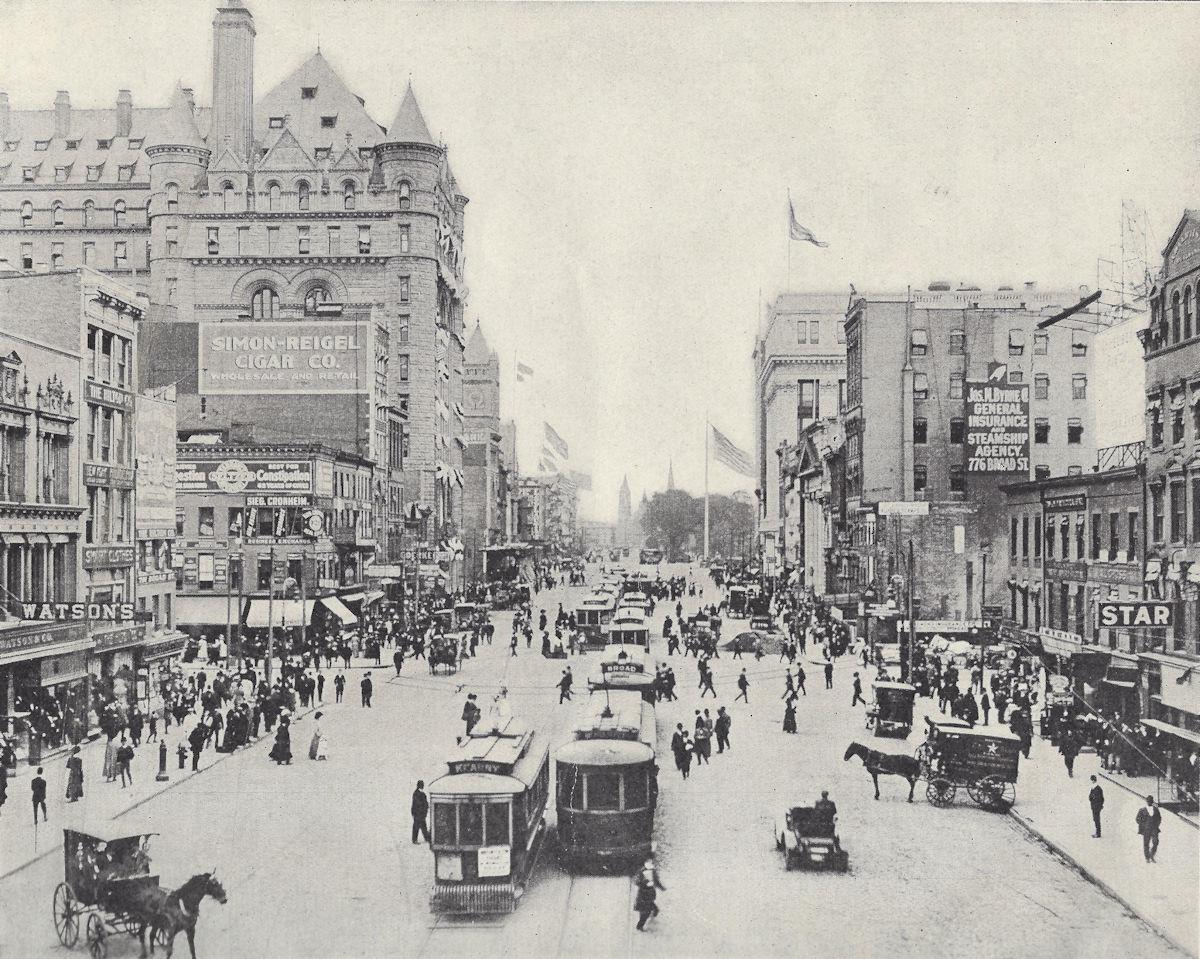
x=244, y=476
x=156, y=464
x=332, y=356
x=997, y=424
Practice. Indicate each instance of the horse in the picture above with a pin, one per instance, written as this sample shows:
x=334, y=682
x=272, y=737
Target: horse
x=889, y=764
x=179, y=910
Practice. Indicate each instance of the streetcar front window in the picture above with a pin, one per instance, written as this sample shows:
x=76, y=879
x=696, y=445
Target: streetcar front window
x=604, y=791
x=445, y=832
x=497, y=824
x=470, y=823
x=635, y=789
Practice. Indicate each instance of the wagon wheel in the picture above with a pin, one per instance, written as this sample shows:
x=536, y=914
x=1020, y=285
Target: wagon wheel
x=97, y=936
x=994, y=793
x=66, y=915
x=940, y=792
x=160, y=936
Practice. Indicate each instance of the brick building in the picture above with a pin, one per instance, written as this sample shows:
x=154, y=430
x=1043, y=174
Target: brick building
x=799, y=371
x=485, y=472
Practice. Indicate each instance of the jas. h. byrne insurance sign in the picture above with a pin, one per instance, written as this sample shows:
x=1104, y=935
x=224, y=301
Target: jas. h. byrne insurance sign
x=997, y=424
x=333, y=356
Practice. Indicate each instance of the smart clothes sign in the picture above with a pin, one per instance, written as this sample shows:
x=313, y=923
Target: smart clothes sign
x=334, y=356
x=997, y=424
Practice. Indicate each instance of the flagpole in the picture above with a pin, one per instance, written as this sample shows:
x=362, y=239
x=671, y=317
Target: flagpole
x=707, y=430
x=789, y=242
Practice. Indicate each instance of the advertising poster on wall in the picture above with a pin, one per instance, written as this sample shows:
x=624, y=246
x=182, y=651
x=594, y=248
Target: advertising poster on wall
x=155, y=478
x=997, y=424
x=244, y=476
x=333, y=356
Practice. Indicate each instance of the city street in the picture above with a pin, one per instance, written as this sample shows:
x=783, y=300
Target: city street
x=317, y=861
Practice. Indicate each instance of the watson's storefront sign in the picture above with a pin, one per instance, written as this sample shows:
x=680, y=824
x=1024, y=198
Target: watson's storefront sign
x=243, y=476
x=74, y=612
x=997, y=424
x=328, y=357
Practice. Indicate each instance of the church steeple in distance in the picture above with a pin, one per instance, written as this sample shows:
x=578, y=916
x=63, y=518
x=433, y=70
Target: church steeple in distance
x=671, y=475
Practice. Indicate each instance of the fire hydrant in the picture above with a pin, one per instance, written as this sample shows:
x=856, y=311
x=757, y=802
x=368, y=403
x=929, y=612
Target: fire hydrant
x=182, y=753
x=162, y=762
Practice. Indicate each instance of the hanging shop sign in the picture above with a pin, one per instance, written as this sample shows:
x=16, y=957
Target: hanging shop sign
x=114, y=477
x=1067, y=503
x=997, y=424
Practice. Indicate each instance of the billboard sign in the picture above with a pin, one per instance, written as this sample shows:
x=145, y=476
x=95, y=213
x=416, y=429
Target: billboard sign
x=244, y=476
x=997, y=424
x=333, y=356
x=1133, y=614
x=155, y=478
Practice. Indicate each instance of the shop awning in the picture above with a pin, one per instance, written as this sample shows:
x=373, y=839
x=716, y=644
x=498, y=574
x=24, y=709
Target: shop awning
x=205, y=610
x=35, y=539
x=1153, y=568
x=374, y=595
x=59, y=538
x=338, y=608
x=353, y=597
x=13, y=539
x=284, y=612
x=1185, y=734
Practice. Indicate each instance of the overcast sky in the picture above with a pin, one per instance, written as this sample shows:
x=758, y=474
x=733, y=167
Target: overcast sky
x=628, y=166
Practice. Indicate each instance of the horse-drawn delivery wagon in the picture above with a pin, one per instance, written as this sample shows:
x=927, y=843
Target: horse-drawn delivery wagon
x=891, y=712
x=984, y=760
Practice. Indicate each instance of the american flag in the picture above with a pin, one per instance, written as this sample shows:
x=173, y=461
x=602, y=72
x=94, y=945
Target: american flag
x=731, y=454
x=523, y=372
x=556, y=441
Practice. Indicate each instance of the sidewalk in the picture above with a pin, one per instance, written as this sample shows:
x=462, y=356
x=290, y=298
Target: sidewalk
x=1055, y=809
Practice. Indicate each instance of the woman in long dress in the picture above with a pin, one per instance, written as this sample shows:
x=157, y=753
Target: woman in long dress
x=74, y=776
x=110, y=760
x=789, y=716
x=281, y=752
x=317, y=747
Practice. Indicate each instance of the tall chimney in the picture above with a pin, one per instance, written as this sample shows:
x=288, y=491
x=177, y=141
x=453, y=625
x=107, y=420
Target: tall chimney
x=190, y=96
x=124, y=113
x=233, y=80
x=62, y=114
x=5, y=113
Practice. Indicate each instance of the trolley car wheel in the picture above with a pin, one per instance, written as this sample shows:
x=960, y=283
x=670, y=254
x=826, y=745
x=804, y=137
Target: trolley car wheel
x=992, y=792
x=940, y=792
x=66, y=915
x=97, y=936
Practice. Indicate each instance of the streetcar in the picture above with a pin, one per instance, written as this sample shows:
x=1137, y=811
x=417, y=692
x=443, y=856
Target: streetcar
x=638, y=601
x=650, y=557
x=489, y=819
x=606, y=782
x=592, y=615
x=629, y=627
x=624, y=669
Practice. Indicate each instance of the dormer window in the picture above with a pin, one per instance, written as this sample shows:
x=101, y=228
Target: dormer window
x=308, y=93
x=136, y=143
x=275, y=123
x=28, y=174
x=103, y=144
x=125, y=172
x=41, y=145
x=328, y=123
x=11, y=145
x=93, y=172
x=321, y=153
x=72, y=144
x=61, y=173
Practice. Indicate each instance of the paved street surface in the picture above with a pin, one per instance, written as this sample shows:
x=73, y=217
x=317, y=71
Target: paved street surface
x=317, y=860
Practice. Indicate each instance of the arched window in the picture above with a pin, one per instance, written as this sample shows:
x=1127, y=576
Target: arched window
x=57, y=213
x=264, y=304
x=274, y=196
x=405, y=192
x=1175, y=316
x=348, y=195
x=27, y=213
x=119, y=214
x=172, y=198
x=315, y=296
x=227, y=197
x=89, y=213
x=302, y=193
x=1187, y=316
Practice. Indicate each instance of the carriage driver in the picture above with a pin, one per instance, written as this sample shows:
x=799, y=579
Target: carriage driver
x=825, y=810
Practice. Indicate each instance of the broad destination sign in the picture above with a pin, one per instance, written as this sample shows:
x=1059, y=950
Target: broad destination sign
x=997, y=424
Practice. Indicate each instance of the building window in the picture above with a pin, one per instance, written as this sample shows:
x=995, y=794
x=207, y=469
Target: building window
x=920, y=478
x=348, y=195
x=26, y=214
x=26, y=256
x=89, y=253
x=214, y=240
x=1096, y=531
x=264, y=304
x=227, y=197
x=1041, y=472
x=402, y=367
x=814, y=331
x=1178, y=511
x=56, y=256
x=920, y=429
x=841, y=331
x=172, y=198
x=308, y=93
x=801, y=332
x=1041, y=344
x=328, y=123
x=958, y=478
x=243, y=240
x=1025, y=538
x=1079, y=386
x=958, y=343
x=1187, y=313
x=1050, y=528
x=958, y=430
x=321, y=153
x=1196, y=509
x=1079, y=524
x=404, y=192
x=1012, y=537
x=274, y=197
x=1037, y=539
x=1016, y=377
x=1079, y=346
x=1114, y=535
x=264, y=573
x=1156, y=513
x=956, y=386
x=315, y=296
x=1041, y=387
x=919, y=342
x=275, y=123
x=841, y=396
x=1131, y=544
x=404, y=230
x=119, y=214
x=172, y=241
x=1175, y=329
x=1074, y=430
x=364, y=239
x=1041, y=430
x=206, y=523
x=56, y=215
x=808, y=407
x=920, y=386
x=272, y=240
x=302, y=240
x=119, y=254
x=1156, y=426
x=402, y=323
x=302, y=194
x=1016, y=342
x=89, y=213
x=335, y=240
x=404, y=289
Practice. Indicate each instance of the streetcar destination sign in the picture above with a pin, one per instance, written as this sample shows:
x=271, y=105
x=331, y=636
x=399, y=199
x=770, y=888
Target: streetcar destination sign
x=1136, y=614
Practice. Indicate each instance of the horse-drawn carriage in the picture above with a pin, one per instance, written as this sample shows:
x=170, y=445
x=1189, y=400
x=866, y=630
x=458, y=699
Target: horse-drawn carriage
x=891, y=713
x=443, y=651
x=107, y=884
x=983, y=760
x=808, y=839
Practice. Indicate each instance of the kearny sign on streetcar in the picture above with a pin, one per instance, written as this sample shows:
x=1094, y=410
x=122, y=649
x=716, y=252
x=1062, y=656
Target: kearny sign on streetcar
x=333, y=356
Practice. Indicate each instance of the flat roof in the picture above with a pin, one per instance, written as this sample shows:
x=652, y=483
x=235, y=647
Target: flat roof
x=475, y=784
x=604, y=752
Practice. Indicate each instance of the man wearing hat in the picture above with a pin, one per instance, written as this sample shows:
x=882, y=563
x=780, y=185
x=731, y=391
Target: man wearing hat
x=648, y=885
x=1149, y=822
x=420, y=810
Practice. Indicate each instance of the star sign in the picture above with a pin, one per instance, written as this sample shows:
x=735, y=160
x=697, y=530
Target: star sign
x=991, y=748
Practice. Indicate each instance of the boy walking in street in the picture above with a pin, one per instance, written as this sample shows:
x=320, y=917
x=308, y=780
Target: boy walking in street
x=37, y=789
x=1096, y=801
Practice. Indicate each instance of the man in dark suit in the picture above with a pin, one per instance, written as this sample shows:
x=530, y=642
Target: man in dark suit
x=828, y=674
x=37, y=787
x=420, y=810
x=366, y=686
x=1149, y=821
x=1096, y=800
x=858, y=696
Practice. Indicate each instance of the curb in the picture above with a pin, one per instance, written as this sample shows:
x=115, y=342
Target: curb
x=1133, y=792
x=1096, y=881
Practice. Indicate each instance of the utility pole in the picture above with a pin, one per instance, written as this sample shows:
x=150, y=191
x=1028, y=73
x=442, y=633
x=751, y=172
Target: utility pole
x=270, y=616
x=907, y=662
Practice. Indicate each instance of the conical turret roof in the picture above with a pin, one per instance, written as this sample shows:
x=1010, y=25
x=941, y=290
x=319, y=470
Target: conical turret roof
x=179, y=127
x=409, y=124
x=477, y=352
